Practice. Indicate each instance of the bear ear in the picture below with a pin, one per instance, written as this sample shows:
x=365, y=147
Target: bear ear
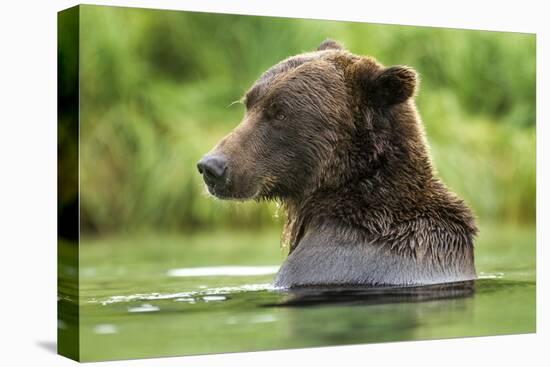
x=329, y=44
x=391, y=85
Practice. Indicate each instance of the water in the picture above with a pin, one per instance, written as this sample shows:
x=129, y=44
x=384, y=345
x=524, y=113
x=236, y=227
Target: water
x=134, y=303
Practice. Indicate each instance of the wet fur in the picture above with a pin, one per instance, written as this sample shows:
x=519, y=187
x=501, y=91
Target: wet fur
x=352, y=169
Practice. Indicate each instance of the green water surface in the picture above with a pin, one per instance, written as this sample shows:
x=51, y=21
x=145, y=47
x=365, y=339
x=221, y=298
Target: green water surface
x=134, y=304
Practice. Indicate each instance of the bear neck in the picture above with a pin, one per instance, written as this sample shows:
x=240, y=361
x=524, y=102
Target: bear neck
x=383, y=180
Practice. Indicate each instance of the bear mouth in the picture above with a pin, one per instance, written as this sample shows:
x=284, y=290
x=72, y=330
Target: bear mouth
x=220, y=191
x=223, y=192
x=215, y=191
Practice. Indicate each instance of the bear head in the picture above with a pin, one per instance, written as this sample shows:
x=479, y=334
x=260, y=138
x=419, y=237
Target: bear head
x=319, y=120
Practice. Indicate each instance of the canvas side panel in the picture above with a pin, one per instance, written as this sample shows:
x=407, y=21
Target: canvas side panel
x=68, y=182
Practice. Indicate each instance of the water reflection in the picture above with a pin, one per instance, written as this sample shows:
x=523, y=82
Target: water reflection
x=300, y=297
x=348, y=315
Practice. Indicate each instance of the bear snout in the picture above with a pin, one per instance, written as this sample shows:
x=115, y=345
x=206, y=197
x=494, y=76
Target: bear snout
x=213, y=169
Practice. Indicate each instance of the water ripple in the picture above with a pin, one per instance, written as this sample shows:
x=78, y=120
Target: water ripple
x=185, y=296
x=223, y=271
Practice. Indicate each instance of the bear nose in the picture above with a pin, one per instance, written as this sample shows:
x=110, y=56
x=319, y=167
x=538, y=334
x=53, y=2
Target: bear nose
x=213, y=168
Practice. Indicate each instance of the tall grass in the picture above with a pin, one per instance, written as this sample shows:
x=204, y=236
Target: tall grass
x=156, y=89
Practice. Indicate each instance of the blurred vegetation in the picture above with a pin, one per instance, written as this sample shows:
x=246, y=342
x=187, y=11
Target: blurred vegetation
x=156, y=88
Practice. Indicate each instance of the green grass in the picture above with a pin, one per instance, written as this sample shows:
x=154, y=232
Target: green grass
x=156, y=88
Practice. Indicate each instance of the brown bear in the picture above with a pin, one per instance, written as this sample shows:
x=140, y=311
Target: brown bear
x=336, y=138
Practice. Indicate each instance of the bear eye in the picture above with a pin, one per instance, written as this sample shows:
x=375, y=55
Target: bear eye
x=280, y=116
x=276, y=112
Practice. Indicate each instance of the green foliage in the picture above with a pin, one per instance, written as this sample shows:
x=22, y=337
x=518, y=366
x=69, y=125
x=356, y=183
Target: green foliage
x=156, y=94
